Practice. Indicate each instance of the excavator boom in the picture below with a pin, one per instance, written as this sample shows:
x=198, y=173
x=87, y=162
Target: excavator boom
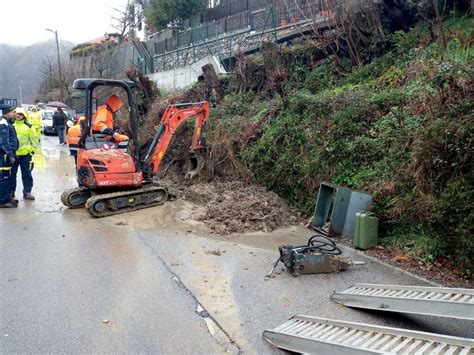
x=172, y=118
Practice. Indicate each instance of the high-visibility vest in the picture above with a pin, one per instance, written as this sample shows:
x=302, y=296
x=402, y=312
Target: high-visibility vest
x=27, y=138
x=102, y=119
x=74, y=136
x=34, y=118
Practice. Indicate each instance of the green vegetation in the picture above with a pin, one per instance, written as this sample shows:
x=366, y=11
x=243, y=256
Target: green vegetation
x=160, y=13
x=400, y=128
x=86, y=49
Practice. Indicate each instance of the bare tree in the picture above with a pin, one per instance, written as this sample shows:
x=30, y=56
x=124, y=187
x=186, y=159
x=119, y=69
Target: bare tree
x=429, y=10
x=338, y=27
x=129, y=18
x=102, y=60
x=70, y=73
x=48, y=73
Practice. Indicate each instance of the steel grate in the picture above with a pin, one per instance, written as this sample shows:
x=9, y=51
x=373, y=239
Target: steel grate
x=435, y=301
x=323, y=336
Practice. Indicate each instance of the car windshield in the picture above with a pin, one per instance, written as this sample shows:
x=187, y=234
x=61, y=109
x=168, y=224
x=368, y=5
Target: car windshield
x=47, y=115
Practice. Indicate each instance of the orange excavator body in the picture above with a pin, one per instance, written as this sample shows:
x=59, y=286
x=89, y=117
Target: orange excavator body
x=114, y=177
x=110, y=167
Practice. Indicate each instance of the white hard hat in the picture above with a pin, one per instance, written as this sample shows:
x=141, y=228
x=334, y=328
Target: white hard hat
x=20, y=110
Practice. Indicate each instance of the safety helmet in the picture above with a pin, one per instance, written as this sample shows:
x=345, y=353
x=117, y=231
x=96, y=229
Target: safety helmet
x=82, y=118
x=34, y=108
x=20, y=111
x=114, y=103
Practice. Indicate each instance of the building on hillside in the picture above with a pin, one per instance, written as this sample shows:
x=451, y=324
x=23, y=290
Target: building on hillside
x=112, y=37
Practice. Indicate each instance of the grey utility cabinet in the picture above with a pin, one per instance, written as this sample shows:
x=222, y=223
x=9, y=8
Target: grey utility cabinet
x=336, y=208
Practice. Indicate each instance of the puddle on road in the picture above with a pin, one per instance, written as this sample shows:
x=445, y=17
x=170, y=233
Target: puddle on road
x=54, y=172
x=177, y=215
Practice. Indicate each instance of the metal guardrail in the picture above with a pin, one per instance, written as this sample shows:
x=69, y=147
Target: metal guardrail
x=144, y=54
x=254, y=15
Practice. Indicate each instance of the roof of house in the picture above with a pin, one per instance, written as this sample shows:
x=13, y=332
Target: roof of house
x=108, y=36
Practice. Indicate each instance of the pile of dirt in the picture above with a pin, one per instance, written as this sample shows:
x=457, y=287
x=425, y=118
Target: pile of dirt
x=222, y=188
x=234, y=207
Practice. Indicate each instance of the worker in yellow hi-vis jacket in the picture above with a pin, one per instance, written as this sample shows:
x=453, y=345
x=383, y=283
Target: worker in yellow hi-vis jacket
x=34, y=118
x=28, y=140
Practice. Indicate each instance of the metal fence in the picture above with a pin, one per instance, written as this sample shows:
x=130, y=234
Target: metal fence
x=235, y=15
x=195, y=35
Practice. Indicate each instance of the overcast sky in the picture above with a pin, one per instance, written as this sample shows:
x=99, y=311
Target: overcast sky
x=24, y=22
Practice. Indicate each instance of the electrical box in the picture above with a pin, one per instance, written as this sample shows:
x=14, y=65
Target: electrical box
x=336, y=208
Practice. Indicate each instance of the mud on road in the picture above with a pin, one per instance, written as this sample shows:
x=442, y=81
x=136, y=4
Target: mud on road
x=234, y=207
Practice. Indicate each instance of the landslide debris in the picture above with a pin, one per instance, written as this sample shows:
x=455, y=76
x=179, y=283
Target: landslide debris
x=235, y=207
x=230, y=203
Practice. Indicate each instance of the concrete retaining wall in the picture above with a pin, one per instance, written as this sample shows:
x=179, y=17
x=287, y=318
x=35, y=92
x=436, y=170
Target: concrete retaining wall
x=120, y=57
x=181, y=78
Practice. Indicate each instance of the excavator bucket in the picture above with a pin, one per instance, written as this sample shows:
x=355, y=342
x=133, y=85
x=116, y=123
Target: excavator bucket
x=195, y=165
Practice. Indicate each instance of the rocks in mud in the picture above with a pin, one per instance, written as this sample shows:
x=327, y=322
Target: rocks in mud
x=234, y=207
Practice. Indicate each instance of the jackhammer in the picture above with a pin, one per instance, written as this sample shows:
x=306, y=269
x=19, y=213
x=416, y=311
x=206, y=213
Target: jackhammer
x=320, y=255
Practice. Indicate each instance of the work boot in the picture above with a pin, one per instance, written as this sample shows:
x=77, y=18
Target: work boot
x=28, y=196
x=14, y=201
x=8, y=204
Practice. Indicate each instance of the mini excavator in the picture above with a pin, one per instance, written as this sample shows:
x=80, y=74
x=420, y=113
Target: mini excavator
x=115, y=177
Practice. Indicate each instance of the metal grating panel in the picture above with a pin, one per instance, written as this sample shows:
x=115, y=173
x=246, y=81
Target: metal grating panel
x=326, y=336
x=434, y=301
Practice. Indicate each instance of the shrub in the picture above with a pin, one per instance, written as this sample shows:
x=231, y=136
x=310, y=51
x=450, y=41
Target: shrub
x=399, y=128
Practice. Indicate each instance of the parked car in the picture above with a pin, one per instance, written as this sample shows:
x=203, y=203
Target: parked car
x=47, y=122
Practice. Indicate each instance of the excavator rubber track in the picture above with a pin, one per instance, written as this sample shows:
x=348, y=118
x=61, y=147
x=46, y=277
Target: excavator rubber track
x=75, y=198
x=104, y=205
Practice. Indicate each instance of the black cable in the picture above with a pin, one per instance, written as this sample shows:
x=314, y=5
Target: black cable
x=323, y=245
x=320, y=244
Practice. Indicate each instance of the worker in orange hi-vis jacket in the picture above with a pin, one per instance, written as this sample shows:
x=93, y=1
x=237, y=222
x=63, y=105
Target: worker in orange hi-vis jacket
x=73, y=137
x=103, y=120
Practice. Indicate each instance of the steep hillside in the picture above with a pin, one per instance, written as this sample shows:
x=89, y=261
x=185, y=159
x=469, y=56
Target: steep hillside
x=20, y=66
x=400, y=128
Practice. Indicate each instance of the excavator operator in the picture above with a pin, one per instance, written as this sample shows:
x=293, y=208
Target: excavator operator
x=103, y=120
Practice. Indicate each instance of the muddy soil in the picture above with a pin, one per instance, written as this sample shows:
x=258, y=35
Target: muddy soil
x=234, y=207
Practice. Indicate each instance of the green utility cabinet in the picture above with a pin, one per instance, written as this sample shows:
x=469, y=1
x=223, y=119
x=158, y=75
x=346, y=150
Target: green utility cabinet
x=366, y=230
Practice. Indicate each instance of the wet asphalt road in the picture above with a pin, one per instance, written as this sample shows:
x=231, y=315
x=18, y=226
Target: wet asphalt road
x=146, y=281
x=70, y=283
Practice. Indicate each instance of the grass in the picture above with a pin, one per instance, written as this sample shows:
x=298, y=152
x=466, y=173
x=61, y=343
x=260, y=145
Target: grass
x=399, y=128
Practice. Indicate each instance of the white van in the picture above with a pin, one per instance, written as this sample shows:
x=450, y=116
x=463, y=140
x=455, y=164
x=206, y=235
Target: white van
x=47, y=122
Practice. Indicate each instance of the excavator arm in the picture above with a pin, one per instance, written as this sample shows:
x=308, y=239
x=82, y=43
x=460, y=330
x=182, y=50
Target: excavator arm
x=170, y=121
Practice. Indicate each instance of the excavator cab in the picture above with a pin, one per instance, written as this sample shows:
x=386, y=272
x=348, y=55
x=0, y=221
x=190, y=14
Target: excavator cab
x=114, y=177
x=101, y=164
x=89, y=86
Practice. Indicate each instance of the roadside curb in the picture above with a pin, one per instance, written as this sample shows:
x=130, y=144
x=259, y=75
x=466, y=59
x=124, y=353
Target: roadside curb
x=393, y=267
